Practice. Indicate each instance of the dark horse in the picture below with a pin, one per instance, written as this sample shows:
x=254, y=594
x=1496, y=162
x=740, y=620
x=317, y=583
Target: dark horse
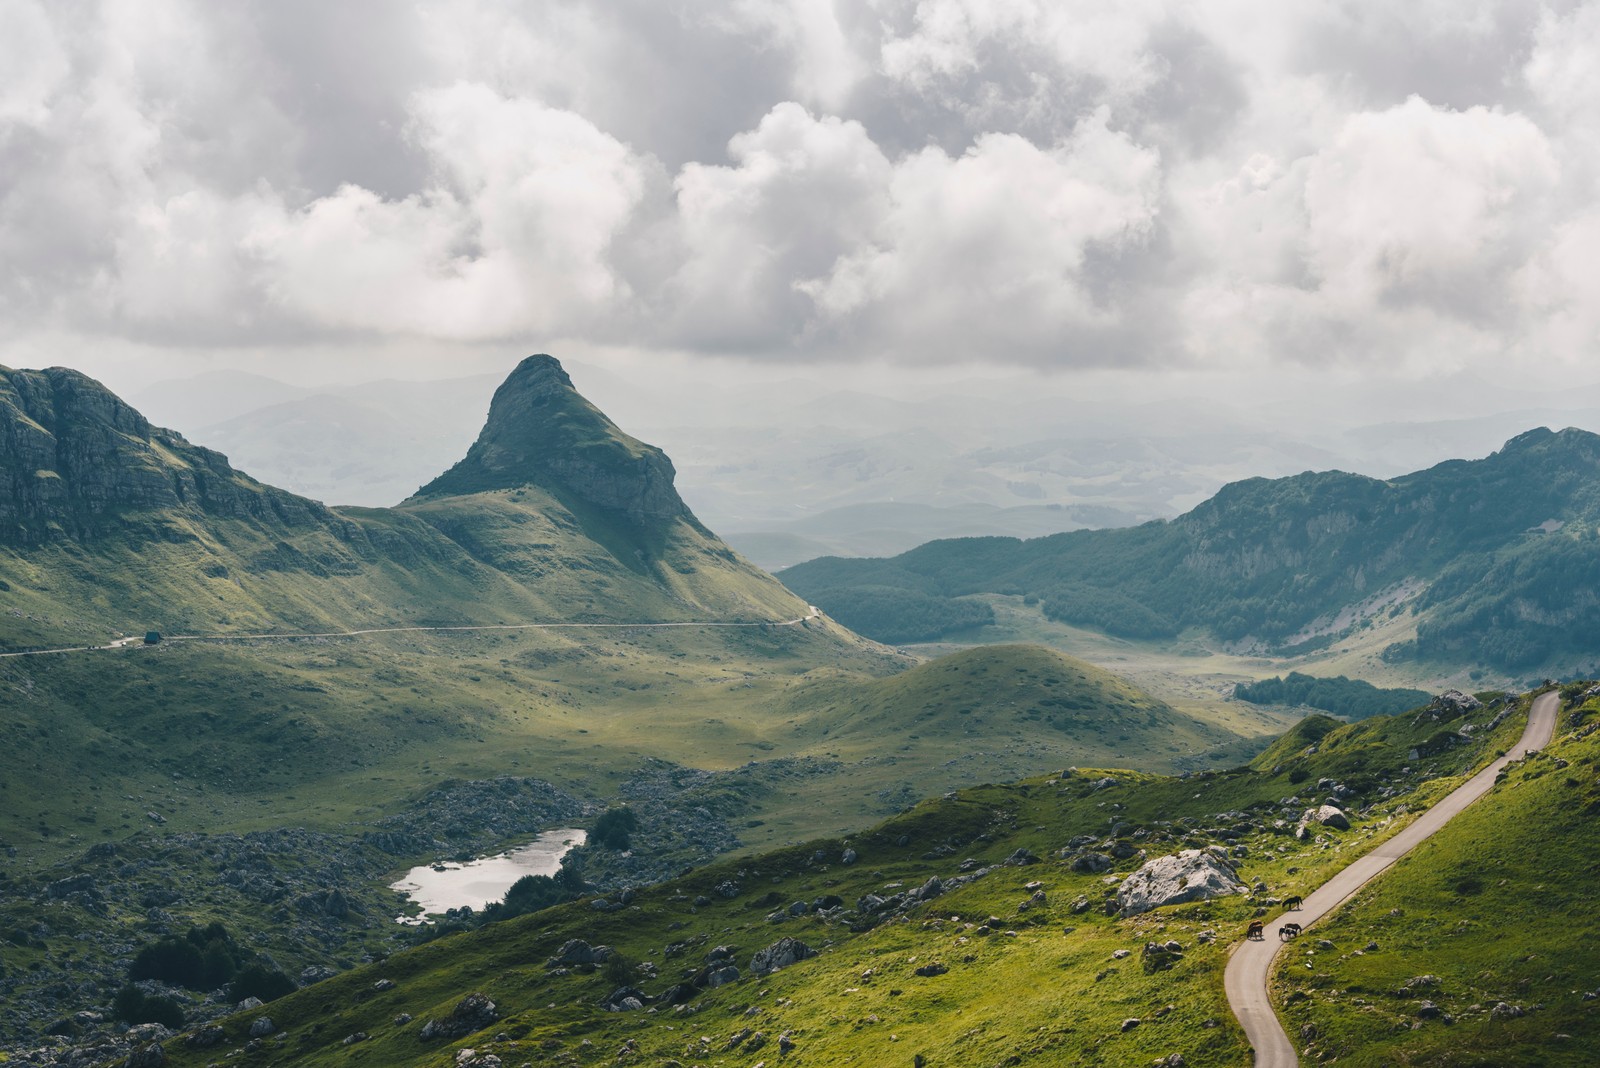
x=1288, y=931
x=1293, y=902
x=1255, y=930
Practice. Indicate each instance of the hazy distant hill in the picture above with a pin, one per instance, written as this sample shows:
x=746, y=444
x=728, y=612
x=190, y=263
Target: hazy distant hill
x=1500, y=557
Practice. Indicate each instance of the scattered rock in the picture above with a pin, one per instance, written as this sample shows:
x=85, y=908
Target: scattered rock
x=1327, y=816
x=625, y=999
x=262, y=1026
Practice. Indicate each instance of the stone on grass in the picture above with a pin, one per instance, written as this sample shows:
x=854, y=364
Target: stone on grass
x=781, y=954
x=472, y=1013
x=1176, y=879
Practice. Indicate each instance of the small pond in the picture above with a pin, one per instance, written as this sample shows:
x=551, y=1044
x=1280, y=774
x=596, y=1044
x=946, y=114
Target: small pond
x=477, y=882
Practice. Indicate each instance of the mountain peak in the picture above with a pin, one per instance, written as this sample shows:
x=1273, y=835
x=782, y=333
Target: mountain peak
x=542, y=432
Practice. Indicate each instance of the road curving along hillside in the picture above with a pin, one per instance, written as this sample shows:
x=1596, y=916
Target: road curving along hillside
x=1250, y=968
x=122, y=643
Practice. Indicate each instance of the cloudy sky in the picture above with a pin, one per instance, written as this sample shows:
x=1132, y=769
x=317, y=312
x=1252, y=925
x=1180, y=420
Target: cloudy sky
x=1212, y=187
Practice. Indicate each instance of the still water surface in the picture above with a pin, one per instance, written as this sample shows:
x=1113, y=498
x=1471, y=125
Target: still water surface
x=478, y=882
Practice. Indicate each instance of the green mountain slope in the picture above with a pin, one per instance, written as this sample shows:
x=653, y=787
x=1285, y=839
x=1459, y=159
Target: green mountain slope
x=1000, y=959
x=1498, y=556
x=1482, y=936
x=109, y=525
x=1022, y=694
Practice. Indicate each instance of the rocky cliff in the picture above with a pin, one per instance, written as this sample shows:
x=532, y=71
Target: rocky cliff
x=75, y=460
x=541, y=432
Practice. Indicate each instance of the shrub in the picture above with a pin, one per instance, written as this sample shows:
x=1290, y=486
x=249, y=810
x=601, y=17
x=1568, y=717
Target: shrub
x=132, y=1006
x=259, y=981
x=612, y=830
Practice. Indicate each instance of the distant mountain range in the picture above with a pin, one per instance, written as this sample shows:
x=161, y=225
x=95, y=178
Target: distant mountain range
x=789, y=469
x=1499, y=558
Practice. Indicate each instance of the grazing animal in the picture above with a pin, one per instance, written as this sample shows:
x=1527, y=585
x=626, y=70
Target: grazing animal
x=1255, y=930
x=1293, y=902
x=1288, y=931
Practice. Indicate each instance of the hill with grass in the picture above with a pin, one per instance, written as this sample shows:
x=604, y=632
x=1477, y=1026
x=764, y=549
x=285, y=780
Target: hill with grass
x=110, y=526
x=301, y=733
x=989, y=926
x=1495, y=557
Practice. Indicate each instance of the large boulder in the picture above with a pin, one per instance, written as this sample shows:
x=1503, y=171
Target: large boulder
x=781, y=954
x=576, y=951
x=472, y=1013
x=1452, y=704
x=1192, y=875
x=1327, y=816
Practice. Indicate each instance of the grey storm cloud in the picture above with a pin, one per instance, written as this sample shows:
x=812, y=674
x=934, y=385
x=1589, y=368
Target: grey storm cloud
x=1055, y=184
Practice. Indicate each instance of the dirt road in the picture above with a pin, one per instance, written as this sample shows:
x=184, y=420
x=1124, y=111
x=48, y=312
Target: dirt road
x=1251, y=964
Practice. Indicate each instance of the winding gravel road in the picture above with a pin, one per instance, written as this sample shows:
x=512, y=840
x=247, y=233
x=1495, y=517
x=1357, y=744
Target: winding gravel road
x=813, y=613
x=1251, y=965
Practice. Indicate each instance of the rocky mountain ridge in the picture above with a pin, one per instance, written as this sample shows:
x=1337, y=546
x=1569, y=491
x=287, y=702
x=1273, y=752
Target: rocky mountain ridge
x=551, y=506
x=1495, y=557
x=76, y=457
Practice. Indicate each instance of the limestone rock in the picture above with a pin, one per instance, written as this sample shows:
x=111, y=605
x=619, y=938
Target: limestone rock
x=472, y=1013
x=576, y=951
x=1192, y=875
x=781, y=954
x=1327, y=816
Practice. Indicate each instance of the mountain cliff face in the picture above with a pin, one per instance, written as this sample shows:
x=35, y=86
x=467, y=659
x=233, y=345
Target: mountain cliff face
x=554, y=514
x=1499, y=553
x=75, y=460
x=541, y=432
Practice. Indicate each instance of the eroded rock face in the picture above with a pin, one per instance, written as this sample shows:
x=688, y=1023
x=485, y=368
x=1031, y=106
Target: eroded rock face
x=541, y=432
x=1192, y=875
x=74, y=457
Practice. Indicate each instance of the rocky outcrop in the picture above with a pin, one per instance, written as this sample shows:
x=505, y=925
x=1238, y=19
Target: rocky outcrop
x=781, y=954
x=75, y=459
x=1452, y=704
x=1192, y=875
x=472, y=1013
x=541, y=432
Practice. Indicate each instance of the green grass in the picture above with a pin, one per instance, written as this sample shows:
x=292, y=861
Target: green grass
x=1499, y=905
x=1029, y=988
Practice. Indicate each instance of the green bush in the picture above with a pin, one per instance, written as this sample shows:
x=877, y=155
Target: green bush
x=259, y=981
x=613, y=829
x=132, y=1006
